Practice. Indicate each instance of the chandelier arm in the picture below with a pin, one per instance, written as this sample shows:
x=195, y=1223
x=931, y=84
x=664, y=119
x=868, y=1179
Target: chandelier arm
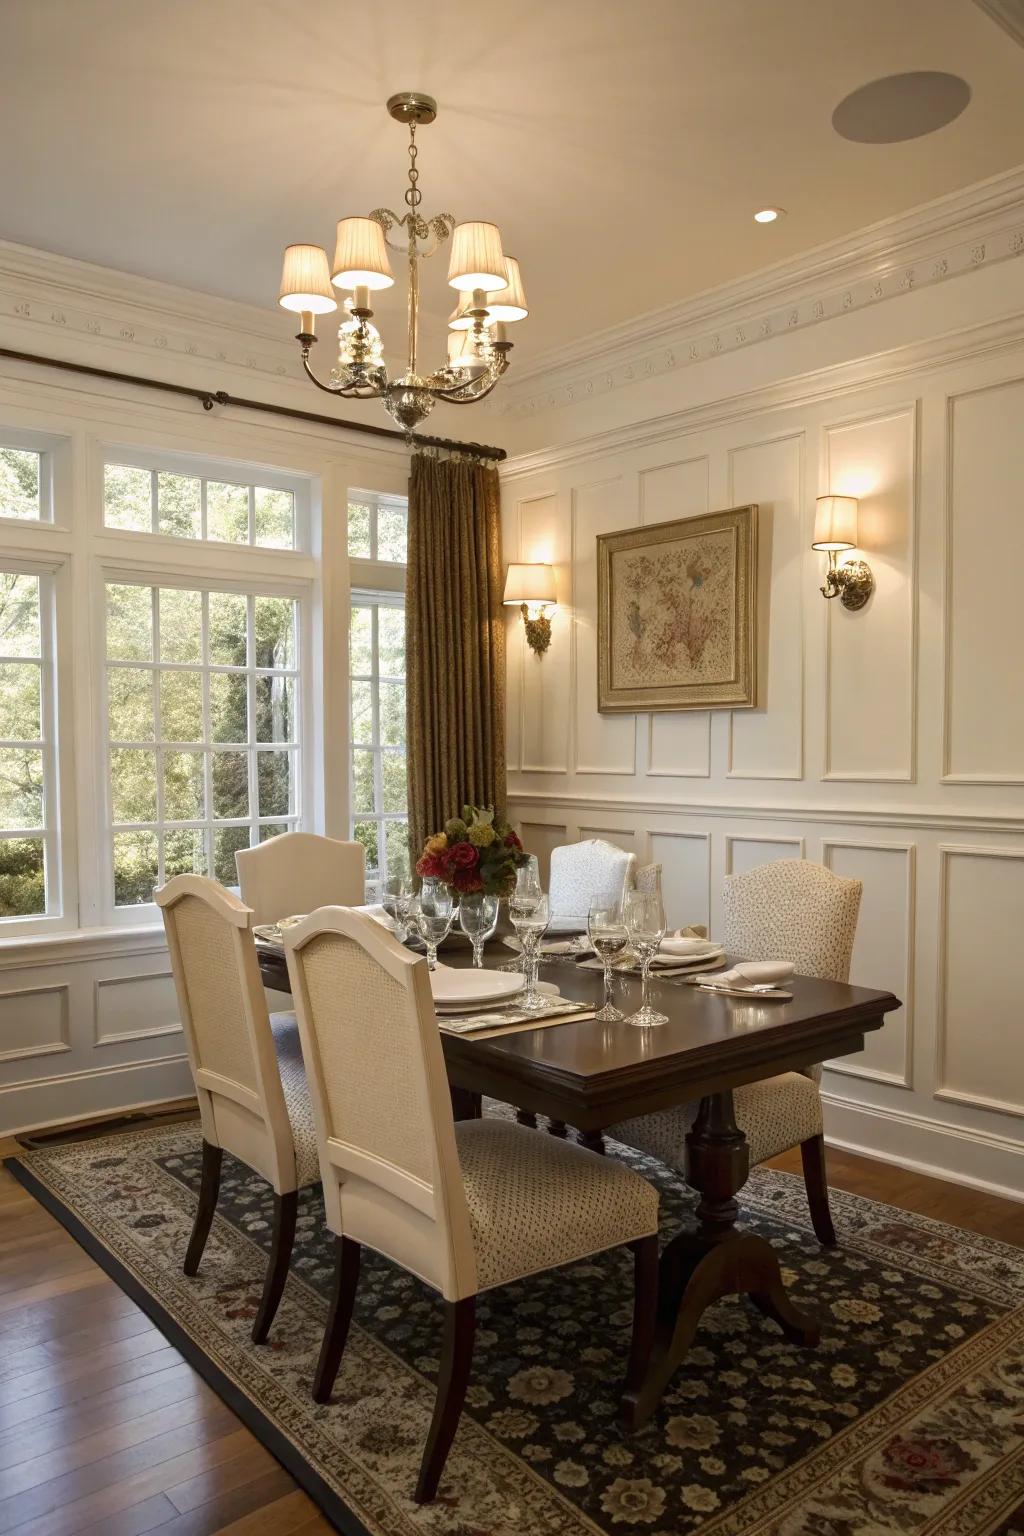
x=466, y=399
x=357, y=393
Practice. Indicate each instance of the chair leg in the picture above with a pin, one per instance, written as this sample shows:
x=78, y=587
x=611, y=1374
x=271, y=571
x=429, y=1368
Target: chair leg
x=812, y=1153
x=645, y=1310
x=527, y=1117
x=285, y=1211
x=592, y=1140
x=457, y=1355
x=558, y=1128
x=347, y=1254
x=208, y=1192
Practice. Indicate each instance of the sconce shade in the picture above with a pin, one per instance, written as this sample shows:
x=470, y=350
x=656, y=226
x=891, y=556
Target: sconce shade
x=477, y=260
x=360, y=256
x=835, y=523
x=509, y=303
x=530, y=584
x=306, y=281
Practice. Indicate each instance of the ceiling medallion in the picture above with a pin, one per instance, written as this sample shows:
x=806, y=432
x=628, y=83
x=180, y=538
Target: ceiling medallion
x=487, y=282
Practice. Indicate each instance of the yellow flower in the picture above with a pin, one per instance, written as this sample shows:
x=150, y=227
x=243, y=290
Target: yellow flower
x=436, y=844
x=481, y=835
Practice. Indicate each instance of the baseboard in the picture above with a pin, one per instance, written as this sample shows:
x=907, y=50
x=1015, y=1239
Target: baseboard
x=978, y=1159
x=84, y=1096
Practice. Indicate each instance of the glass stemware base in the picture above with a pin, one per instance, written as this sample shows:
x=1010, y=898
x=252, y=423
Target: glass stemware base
x=609, y=1014
x=645, y=1017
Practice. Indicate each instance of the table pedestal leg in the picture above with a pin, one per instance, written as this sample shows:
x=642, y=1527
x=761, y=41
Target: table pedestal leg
x=699, y=1268
x=466, y=1104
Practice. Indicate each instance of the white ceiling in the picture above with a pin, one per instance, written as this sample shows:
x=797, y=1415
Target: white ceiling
x=622, y=147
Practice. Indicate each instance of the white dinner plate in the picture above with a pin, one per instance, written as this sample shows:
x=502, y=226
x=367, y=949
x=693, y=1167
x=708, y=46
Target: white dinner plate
x=663, y=959
x=455, y=987
x=689, y=949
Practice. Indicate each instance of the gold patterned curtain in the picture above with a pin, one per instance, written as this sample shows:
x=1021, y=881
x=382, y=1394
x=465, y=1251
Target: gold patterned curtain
x=455, y=642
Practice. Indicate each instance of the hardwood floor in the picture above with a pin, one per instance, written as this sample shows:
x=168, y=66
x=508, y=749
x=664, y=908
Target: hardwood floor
x=105, y=1431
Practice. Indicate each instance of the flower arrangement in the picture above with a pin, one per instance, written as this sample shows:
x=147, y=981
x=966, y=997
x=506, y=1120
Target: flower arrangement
x=473, y=853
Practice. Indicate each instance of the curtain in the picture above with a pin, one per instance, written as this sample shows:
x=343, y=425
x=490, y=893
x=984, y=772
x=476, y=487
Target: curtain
x=455, y=643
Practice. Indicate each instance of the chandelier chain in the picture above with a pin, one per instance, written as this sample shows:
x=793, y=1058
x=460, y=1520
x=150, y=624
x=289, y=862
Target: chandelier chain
x=413, y=196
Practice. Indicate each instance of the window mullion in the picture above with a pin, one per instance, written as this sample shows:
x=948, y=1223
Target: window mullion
x=250, y=711
x=204, y=656
x=158, y=736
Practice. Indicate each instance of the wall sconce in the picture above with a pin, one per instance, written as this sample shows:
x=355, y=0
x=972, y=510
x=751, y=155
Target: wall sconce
x=532, y=587
x=835, y=529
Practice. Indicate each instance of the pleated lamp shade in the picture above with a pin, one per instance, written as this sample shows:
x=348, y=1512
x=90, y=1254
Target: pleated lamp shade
x=835, y=523
x=509, y=303
x=306, y=281
x=530, y=584
x=360, y=256
x=460, y=318
x=477, y=260
x=462, y=354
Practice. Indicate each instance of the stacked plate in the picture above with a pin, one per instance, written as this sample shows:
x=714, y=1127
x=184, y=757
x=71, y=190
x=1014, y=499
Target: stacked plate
x=459, y=990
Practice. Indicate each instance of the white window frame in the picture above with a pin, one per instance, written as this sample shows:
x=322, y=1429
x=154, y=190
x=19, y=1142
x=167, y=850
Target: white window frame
x=375, y=500
x=375, y=598
x=199, y=466
x=192, y=579
x=56, y=834
x=47, y=446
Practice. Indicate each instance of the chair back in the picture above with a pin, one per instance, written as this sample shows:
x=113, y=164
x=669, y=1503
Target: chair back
x=298, y=872
x=793, y=910
x=380, y=1097
x=585, y=872
x=227, y=1027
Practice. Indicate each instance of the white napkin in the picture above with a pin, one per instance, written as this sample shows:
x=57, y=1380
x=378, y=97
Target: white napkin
x=687, y=947
x=754, y=973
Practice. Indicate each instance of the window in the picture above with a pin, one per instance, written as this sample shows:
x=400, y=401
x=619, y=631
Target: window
x=379, y=816
x=202, y=713
x=21, y=483
x=377, y=527
x=182, y=504
x=27, y=760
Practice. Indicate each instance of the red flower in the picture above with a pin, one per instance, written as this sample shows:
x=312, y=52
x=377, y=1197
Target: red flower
x=430, y=867
x=467, y=881
x=512, y=841
x=463, y=856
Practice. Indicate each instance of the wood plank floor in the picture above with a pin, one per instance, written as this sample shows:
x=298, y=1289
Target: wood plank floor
x=106, y=1431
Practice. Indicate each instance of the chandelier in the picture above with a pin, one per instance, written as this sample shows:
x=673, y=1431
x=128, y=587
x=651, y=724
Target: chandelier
x=488, y=284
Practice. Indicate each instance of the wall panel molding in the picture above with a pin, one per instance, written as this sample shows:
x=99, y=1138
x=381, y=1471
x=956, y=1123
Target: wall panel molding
x=107, y=1009
x=615, y=733
x=27, y=999
x=796, y=845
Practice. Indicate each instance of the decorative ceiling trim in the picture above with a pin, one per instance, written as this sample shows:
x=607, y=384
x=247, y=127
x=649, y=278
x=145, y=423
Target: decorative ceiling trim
x=1008, y=14
x=819, y=384
x=976, y=228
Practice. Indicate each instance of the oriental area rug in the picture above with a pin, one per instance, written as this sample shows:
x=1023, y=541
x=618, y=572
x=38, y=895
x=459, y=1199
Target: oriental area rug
x=908, y=1418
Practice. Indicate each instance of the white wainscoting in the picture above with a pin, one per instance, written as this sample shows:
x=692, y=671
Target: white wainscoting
x=888, y=744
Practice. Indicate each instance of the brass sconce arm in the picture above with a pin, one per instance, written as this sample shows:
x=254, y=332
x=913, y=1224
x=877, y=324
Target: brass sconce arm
x=538, y=630
x=852, y=583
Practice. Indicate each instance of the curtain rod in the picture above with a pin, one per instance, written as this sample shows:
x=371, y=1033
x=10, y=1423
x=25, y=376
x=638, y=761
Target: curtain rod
x=211, y=397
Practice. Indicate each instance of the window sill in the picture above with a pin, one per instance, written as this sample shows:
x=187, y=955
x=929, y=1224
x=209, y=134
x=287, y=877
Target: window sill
x=78, y=945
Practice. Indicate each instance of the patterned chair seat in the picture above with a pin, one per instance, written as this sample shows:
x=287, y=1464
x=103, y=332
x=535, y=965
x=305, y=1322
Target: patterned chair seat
x=774, y=1115
x=296, y=1097
x=536, y=1202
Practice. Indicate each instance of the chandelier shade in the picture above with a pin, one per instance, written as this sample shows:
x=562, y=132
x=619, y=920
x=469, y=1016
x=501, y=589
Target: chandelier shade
x=509, y=303
x=477, y=260
x=462, y=317
x=360, y=256
x=306, y=281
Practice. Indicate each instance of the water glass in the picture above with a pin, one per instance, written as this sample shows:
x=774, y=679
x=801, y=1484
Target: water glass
x=530, y=919
x=478, y=918
x=435, y=914
x=397, y=898
x=609, y=935
x=645, y=924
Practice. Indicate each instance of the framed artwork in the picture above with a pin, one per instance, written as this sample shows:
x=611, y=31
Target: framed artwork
x=676, y=614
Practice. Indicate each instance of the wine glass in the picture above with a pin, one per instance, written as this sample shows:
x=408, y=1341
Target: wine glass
x=434, y=916
x=645, y=923
x=528, y=886
x=530, y=920
x=609, y=936
x=478, y=918
x=396, y=899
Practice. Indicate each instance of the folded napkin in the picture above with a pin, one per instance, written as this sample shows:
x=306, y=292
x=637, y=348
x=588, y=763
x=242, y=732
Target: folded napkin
x=750, y=974
x=694, y=931
x=686, y=947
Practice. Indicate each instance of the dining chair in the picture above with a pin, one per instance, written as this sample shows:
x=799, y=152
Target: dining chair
x=582, y=873
x=246, y=1065
x=465, y=1207
x=647, y=878
x=298, y=872
x=793, y=910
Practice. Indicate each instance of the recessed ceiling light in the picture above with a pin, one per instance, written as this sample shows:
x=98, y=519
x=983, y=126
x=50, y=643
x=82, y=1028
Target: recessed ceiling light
x=768, y=215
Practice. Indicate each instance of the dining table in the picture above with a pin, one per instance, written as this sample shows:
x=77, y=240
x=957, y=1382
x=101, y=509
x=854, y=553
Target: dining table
x=589, y=1075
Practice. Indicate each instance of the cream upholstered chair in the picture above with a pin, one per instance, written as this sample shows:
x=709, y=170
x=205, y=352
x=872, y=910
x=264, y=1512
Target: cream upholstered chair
x=246, y=1064
x=647, y=878
x=464, y=1206
x=787, y=910
x=298, y=872
x=585, y=872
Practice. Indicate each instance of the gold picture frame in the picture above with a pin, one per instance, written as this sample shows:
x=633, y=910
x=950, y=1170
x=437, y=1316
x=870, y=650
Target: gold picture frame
x=677, y=614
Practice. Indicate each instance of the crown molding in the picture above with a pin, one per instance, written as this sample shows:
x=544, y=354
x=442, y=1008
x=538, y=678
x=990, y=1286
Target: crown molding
x=976, y=341
x=964, y=232
x=1008, y=14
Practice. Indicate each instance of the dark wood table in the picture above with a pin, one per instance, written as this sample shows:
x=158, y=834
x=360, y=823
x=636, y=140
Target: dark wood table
x=591, y=1075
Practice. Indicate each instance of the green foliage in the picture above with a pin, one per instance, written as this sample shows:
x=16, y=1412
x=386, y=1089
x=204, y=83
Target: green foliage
x=128, y=498
x=19, y=483
x=19, y=614
x=22, y=881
